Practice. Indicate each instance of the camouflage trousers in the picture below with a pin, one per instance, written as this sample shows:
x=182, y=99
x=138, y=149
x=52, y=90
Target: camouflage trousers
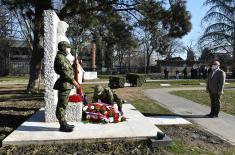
x=118, y=100
x=62, y=104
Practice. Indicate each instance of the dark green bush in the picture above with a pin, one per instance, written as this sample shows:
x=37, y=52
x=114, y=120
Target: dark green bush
x=136, y=79
x=117, y=81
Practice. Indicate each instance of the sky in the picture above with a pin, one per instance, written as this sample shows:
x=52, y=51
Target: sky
x=198, y=11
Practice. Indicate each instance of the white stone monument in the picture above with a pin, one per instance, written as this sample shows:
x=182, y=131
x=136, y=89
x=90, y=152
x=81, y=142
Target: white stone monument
x=54, y=32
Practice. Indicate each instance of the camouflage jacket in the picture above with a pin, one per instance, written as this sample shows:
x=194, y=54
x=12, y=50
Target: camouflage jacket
x=105, y=97
x=63, y=68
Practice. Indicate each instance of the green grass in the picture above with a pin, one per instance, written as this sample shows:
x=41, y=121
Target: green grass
x=14, y=78
x=201, y=97
x=146, y=105
x=179, y=83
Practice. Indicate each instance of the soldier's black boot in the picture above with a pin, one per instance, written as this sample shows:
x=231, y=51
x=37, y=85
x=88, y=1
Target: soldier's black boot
x=72, y=126
x=64, y=127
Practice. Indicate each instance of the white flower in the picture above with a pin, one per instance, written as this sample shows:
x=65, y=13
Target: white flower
x=106, y=119
x=120, y=118
x=88, y=117
x=111, y=120
x=92, y=107
x=105, y=112
x=85, y=108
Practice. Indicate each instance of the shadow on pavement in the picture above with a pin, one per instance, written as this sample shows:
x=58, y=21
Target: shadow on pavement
x=176, y=115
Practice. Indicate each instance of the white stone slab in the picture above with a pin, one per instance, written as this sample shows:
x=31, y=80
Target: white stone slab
x=165, y=85
x=127, y=84
x=168, y=120
x=90, y=75
x=35, y=131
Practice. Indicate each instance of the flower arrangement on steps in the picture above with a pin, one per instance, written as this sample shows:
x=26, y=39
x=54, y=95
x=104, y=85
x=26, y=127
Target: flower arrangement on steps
x=102, y=113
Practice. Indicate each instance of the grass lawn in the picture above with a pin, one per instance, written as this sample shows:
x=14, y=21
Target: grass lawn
x=14, y=78
x=201, y=97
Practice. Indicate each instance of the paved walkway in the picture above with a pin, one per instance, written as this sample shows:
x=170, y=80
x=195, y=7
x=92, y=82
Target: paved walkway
x=223, y=127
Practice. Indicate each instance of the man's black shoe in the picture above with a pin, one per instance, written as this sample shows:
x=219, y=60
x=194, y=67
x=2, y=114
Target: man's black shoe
x=213, y=116
x=208, y=115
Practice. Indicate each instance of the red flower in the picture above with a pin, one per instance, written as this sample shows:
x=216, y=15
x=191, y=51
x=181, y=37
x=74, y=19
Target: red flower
x=75, y=98
x=103, y=109
x=98, y=120
x=97, y=107
x=111, y=113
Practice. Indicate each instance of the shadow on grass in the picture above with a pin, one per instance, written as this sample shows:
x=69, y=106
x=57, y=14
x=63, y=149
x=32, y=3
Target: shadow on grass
x=17, y=109
x=9, y=120
x=175, y=115
x=5, y=92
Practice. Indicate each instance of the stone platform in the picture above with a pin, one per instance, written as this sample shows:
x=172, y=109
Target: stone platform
x=35, y=131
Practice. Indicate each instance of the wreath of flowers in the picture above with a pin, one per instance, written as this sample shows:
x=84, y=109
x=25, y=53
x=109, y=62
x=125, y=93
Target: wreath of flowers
x=102, y=113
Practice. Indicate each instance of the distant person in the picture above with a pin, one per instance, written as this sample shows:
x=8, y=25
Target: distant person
x=200, y=72
x=204, y=72
x=177, y=74
x=166, y=72
x=196, y=71
x=192, y=73
x=215, y=86
x=185, y=72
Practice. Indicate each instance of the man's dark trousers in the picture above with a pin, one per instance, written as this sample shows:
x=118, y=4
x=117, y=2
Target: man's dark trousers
x=215, y=103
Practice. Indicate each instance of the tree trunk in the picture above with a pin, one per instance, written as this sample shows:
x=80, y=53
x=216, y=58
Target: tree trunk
x=37, y=54
x=233, y=64
x=148, y=63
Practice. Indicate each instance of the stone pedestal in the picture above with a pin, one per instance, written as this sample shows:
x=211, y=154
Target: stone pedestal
x=74, y=111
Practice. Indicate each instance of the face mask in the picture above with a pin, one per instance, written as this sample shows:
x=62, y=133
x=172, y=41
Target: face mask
x=214, y=67
x=68, y=50
x=71, y=58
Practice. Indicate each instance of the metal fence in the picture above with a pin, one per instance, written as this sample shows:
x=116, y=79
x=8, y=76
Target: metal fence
x=18, y=68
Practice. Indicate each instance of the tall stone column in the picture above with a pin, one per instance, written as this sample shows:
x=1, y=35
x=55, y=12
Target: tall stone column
x=51, y=39
x=93, y=54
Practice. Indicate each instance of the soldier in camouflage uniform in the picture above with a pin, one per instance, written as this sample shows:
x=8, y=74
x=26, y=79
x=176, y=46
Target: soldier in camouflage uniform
x=64, y=84
x=106, y=95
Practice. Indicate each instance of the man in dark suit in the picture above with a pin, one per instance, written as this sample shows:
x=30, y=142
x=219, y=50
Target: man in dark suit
x=215, y=86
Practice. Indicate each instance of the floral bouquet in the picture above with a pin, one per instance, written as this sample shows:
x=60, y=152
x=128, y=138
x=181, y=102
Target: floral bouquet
x=75, y=98
x=102, y=113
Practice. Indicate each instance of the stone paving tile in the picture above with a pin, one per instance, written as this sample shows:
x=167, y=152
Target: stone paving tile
x=168, y=120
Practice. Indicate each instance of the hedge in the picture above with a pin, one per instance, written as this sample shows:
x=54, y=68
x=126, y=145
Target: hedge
x=117, y=81
x=136, y=79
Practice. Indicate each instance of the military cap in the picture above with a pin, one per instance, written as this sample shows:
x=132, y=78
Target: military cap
x=63, y=44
